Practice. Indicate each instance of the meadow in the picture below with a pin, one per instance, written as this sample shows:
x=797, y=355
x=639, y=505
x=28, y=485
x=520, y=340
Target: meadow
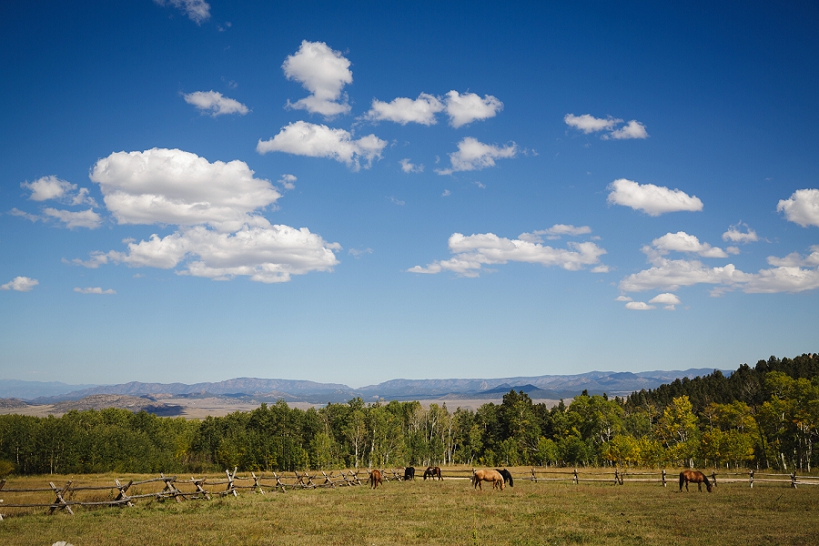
x=426, y=512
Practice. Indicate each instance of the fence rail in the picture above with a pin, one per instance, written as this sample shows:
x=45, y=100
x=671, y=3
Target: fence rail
x=164, y=487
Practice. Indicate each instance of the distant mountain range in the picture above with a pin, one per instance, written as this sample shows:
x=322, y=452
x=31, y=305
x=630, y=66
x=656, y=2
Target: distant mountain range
x=552, y=387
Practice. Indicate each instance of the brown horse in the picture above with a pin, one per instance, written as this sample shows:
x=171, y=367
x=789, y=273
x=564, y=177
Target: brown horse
x=375, y=479
x=479, y=476
x=694, y=476
x=433, y=472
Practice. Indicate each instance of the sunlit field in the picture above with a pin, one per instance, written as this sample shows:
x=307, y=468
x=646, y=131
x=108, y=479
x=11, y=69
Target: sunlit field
x=427, y=512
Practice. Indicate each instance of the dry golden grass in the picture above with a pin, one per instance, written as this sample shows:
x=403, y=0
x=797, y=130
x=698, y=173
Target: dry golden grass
x=448, y=512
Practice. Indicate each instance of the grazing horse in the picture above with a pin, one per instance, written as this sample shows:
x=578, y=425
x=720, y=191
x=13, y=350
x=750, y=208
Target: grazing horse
x=507, y=477
x=479, y=476
x=694, y=476
x=409, y=473
x=433, y=472
x=375, y=479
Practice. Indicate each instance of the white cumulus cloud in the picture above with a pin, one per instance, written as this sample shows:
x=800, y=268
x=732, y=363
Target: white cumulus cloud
x=51, y=187
x=215, y=104
x=216, y=206
x=639, y=306
x=668, y=300
x=265, y=253
x=48, y=187
x=473, y=252
x=651, y=199
x=474, y=155
x=20, y=284
x=590, y=124
x=409, y=167
x=633, y=129
x=683, y=242
x=322, y=71
x=469, y=107
x=802, y=207
x=85, y=218
x=309, y=139
x=793, y=273
x=405, y=110
x=735, y=234
x=177, y=187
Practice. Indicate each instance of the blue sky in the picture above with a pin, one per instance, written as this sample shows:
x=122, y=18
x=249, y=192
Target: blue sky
x=354, y=192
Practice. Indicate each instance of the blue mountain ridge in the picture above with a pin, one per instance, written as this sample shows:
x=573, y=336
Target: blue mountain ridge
x=546, y=386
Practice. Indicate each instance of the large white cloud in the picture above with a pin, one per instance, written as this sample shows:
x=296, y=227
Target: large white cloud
x=215, y=103
x=651, y=199
x=793, y=273
x=177, y=187
x=802, y=207
x=20, y=284
x=404, y=110
x=217, y=207
x=196, y=10
x=265, y=253
x=324, y=73
x=309, y=139
x=473, y=252
x=474, y=155
x=469, y=107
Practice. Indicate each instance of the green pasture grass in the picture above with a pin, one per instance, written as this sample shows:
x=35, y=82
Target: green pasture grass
x=432, y=512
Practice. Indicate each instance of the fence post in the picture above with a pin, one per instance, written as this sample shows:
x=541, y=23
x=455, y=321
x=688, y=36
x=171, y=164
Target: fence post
x=59, y=502
x=751, y=477
x=123, y=493
x=665, y=484
x=534, y=476
x=793, y=479
x=256, y=483
x=231, y=488
x=714, y=478
x=575, y=479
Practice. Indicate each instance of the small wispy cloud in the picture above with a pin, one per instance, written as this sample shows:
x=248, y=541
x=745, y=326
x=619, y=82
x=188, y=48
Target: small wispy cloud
x=94, y=290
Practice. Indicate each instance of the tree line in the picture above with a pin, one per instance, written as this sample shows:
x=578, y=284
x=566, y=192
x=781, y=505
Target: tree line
x=761, y=417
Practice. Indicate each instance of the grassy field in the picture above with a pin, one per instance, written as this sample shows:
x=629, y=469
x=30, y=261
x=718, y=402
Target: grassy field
x=448, y=512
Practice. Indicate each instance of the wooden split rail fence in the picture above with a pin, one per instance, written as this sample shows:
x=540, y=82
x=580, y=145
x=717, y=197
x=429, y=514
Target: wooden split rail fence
x=170, y=487
x=662, y=477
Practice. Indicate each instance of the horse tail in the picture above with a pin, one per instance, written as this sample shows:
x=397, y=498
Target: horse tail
x=682, y=479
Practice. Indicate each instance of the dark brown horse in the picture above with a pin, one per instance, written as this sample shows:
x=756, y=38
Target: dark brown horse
x=375, y=479
x=507, y=477
x=479, y=476
x=694, y=476
x=433, y=472
x=409, y=473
